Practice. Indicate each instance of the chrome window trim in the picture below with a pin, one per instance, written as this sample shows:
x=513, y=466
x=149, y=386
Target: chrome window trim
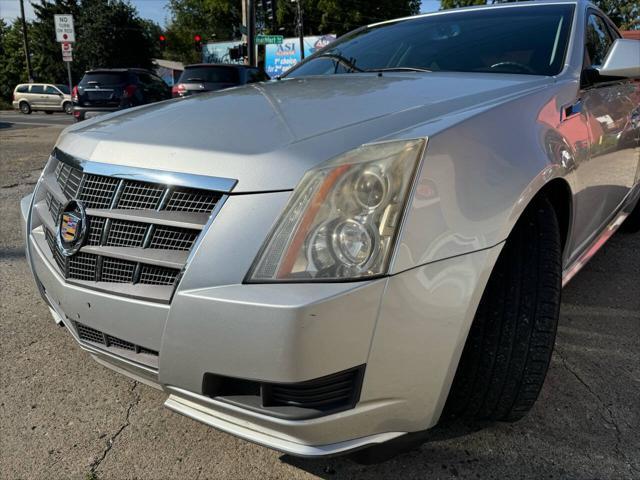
x=188, y=180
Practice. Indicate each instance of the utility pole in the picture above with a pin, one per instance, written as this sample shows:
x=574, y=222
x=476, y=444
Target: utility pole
x=251, y=32
x=25, y=40
x=300, y=28
x=249, y=21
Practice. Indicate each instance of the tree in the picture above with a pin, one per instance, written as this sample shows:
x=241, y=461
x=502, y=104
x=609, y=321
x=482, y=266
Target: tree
x=12, y=63
x=46, y=56
x=211, y=19
x=446, y=4
x=624, y=13
x=221, y=19
x=341, y=16
x=111, y=34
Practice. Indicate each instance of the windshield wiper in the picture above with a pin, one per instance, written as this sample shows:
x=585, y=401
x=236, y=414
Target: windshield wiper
x=349, y=63
x=398, y=69
x=194, y=79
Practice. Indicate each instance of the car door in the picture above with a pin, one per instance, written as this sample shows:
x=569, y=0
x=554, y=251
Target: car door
x=53, y=97
x=608, y=105
x=36, y=96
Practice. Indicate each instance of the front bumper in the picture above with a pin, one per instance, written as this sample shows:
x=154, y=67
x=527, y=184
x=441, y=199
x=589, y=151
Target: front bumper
x=408, y=329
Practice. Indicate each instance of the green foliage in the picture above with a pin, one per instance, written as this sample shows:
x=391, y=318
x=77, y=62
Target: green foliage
x=12, y=60
x=220, y=20
x=341, y=16
x=109, y=33
x=211, y=19
x=624, y=13
x=445, y=4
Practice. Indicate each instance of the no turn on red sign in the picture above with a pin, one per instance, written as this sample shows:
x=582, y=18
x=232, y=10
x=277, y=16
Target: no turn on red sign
x=67, y=52
x=64, y=28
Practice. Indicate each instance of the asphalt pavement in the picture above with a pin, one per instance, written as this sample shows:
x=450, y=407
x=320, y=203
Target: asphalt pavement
x=17, y=120
x=62, y=416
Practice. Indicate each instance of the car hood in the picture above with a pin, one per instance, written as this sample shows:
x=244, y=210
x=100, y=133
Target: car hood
x=267, y=135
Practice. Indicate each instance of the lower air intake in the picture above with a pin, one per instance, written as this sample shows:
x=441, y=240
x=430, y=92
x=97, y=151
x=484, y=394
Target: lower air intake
x=91, y=335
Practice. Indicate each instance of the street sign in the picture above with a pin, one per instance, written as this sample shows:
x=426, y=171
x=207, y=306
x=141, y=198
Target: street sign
x=67, y=52
x=64, y=28
x=269, y=39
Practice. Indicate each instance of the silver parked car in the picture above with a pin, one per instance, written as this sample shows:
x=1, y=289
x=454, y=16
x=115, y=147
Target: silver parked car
x=373, y=243
x=46, y=97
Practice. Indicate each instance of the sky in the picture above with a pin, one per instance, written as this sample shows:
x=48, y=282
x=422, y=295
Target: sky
x=151, y=9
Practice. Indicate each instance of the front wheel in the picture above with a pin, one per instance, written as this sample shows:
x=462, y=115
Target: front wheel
x=509, y=346
x=68, y=108
x=25, y=108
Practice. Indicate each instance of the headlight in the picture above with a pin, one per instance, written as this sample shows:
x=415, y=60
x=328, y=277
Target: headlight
x=343, y=217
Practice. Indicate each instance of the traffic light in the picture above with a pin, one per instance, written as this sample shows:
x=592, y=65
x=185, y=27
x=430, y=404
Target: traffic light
x=162, y=40
x=269, y=10
x=197, y=42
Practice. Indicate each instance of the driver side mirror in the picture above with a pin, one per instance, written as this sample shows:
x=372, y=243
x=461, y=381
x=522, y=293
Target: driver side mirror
x=622, y=60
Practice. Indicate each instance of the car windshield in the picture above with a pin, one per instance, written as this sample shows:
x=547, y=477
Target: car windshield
x=522, y=40
x=210, y=74
x=63, y=88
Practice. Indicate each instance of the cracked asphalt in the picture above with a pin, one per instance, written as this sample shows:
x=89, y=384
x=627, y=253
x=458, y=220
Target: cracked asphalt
x=64, y=416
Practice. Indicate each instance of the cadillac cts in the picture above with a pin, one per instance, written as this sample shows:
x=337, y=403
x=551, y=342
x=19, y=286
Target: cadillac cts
x=373, y=243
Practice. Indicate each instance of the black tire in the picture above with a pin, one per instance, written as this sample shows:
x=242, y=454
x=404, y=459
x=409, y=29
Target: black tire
x=632, y=222
x=509, y=346
x=48, y=112
x=25, y=108
x=68, y=108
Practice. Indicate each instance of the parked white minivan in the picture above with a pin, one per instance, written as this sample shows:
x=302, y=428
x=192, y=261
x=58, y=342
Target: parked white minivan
x=48, y=97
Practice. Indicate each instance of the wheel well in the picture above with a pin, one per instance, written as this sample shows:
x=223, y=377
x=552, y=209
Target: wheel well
x=558, y=193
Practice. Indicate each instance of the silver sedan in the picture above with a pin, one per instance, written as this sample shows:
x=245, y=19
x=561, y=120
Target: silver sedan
x=367, y=246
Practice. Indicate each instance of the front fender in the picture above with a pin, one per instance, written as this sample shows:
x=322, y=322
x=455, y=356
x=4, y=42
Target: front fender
x=479, y=175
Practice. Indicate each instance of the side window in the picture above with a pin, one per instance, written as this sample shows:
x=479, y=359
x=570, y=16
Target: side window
x=49, y=90
x=23, y=89
x=37, y=88
x=159, y=81
x=598, y=40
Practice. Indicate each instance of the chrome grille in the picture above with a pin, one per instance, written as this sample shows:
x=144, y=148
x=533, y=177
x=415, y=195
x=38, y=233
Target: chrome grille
x=190, y=200
x=97, y=191
x=57, y=256
x=112, y=229
x=96, y=226
x=82, y=266
x=54, y=207
x=152, y=275
x=69, y=179
x=123, y=233
x=173, y=238
x=140, y=196
x=117, y=271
